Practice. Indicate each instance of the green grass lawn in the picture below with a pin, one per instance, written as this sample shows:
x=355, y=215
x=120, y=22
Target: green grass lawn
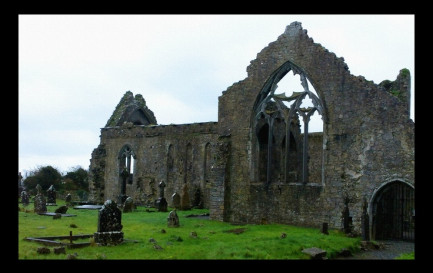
x=213, y=240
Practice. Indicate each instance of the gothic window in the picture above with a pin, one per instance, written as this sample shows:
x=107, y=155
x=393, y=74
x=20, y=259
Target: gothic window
x=126, y=167
x=277, y=117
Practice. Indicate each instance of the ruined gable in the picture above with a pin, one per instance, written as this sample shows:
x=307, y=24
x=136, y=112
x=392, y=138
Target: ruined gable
x=131, y=109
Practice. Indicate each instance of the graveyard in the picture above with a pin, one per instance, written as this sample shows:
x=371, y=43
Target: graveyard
x=148, y=233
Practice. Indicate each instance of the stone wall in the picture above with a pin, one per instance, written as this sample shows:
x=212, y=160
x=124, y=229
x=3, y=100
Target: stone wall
x=187, y=145
x=368, y=138
x=367, y=142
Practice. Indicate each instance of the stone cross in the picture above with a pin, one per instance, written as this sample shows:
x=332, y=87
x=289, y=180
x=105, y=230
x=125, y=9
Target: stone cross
x=161, y=189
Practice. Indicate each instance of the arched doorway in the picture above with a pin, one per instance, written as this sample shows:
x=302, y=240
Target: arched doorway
x=393, y=212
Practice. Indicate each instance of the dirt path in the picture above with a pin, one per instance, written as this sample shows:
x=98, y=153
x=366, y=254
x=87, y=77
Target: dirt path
x=389, y=251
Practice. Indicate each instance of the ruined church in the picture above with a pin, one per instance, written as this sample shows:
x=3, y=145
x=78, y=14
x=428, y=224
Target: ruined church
x=260, y=163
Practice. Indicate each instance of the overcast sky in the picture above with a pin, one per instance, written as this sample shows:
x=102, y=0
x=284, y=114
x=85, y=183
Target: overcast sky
x=74, y=69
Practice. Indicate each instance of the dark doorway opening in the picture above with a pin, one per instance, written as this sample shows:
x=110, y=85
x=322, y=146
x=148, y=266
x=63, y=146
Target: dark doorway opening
x=394, y=212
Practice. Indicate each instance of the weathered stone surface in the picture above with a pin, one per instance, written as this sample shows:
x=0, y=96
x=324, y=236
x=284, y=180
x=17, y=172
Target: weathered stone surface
x=51, y=195
x=173, y=219
x=128, y=206
x=59, y=250
x=68, y=199
x=43, y=250
x=109, y=224
x=315, y=253
x=109, y=217
x=108, y=237
x=40, y=203
x=25, y=199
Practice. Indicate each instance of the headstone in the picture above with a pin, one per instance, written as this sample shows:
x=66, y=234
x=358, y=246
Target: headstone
x=161, y=203
x=185, y=203
x=62, y=209
x=51, y=195
x=24, y=198
x=109, y=224
x=60, y=250
x=173, y=219
x=40, y=202
x=43, y=250
x=324, y=229
x=68, y=199
x=176, y=200
x=128, y=206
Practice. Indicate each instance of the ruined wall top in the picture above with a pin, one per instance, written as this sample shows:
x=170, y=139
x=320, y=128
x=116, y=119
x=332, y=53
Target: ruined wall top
x=131, y=109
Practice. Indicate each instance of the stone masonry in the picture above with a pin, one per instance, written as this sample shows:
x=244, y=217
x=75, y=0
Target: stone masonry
x=243, y=169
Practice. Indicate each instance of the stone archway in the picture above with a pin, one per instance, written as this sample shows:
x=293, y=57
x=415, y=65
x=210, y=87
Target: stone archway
x=393, y=212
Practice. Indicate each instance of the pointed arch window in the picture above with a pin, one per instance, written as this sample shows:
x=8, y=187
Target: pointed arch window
x=273, y=110
x=126, y=167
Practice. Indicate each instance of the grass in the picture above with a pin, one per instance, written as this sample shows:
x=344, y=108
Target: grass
x=406, y=256
x=214, y=239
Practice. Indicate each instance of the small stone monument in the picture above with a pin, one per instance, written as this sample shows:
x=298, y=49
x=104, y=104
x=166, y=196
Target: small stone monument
x=51, y=196
x=185, y=203
x=128, y=206
x=173, y=219
x=40, y=201
x=324, y=228
x=161, y=203
x=176, y=200
x=62, y=209
x=68, y=199
x=24, y=198
x=109, y=224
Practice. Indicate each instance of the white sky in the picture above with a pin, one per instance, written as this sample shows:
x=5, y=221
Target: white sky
x=74, y=69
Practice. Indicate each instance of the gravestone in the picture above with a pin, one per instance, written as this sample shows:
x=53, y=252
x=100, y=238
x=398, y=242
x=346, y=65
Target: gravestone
x=161, y=203
x=109, y=225
x=173, y=219
x=51, y=195
x=68, y=199
x=324, y=229
x=62, y=209
x=24, y=198
x=40, y=202
x=176, y=200
x=128, y=206
x=185, y=203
